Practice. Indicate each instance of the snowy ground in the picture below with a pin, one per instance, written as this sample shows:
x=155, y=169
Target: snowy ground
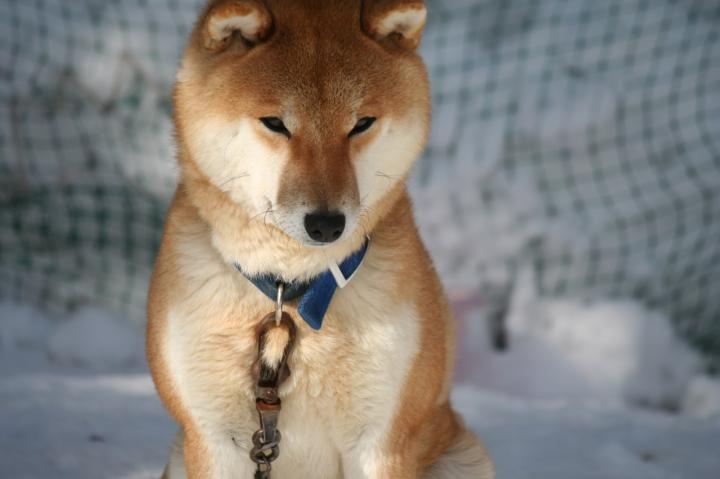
x=61, y=418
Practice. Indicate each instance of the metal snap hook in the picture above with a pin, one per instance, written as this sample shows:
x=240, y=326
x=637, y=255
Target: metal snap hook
x=279, y=303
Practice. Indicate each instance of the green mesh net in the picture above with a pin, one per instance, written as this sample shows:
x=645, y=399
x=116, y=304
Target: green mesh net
x=577, y=138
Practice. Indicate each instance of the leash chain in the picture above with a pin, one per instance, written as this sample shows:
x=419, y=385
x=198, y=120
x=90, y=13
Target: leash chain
x=266, y=440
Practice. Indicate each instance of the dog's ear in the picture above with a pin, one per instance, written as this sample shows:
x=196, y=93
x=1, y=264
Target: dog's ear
x=225, y=20
x=399, y=22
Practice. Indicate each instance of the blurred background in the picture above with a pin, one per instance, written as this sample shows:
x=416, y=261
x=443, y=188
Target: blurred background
x=569, y=195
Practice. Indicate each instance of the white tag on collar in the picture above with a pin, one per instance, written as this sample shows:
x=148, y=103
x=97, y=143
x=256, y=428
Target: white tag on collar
x=340, y=279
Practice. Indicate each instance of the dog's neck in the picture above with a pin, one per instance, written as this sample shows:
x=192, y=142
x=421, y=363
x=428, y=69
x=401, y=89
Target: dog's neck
x=260, y=248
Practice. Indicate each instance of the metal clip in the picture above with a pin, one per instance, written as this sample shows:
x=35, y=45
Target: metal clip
x=268, y=414
x=279, y=302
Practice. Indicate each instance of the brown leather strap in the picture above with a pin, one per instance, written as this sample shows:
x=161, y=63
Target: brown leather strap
x=268, y=380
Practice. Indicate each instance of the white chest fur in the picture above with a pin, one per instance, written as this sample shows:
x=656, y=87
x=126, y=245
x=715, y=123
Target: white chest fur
x=346, y=379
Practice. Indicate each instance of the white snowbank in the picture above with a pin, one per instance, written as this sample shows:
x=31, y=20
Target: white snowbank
x=89, y=338
x=22, y=327
x=606, y=352
x=701, y=399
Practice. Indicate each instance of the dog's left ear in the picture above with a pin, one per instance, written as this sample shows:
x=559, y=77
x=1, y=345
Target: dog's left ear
x=399, y=22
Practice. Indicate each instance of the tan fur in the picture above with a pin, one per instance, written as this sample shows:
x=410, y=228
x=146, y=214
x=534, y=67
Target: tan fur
x=368, y=394
x=275, y=342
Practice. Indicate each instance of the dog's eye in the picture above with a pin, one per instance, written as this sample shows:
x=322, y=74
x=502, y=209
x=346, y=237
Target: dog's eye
x=362, y=125
x=275, y=124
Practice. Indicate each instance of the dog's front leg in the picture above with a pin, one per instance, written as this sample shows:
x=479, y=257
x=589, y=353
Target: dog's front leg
x=369, y=458
x=199, y=456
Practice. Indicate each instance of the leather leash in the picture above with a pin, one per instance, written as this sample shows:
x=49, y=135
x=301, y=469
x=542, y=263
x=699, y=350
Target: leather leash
x=269, y=378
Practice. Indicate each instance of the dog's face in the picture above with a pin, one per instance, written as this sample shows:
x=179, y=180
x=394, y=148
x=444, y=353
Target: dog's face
x=305, y=113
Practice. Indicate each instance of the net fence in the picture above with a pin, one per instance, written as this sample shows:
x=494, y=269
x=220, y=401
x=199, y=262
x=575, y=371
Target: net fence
x=577, y=138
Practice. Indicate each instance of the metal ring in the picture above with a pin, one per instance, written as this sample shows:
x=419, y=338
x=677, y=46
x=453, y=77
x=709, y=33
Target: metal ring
x=279, y=302
x=258, y=439
x=261, y=456
x=264, y=453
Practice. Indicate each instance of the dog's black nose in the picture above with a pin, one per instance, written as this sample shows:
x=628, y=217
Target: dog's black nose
x=325, y=227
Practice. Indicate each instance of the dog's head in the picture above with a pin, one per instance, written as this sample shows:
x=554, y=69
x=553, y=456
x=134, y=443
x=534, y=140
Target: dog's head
x=306, y=113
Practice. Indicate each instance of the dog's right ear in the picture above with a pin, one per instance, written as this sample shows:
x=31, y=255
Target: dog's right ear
x=225, y=20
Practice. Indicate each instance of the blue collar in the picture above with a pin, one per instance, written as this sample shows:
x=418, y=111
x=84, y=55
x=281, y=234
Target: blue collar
x=315, y=294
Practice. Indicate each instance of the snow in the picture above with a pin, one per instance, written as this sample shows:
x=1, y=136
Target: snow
x=562, y=402
x=557, y=440
x=603, y=351
x=66, y=423
x=701, y=399
x=96, y=339
x=21, y=327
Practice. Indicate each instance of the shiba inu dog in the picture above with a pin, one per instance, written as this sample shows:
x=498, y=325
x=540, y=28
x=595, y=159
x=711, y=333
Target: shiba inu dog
x=297, y=123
